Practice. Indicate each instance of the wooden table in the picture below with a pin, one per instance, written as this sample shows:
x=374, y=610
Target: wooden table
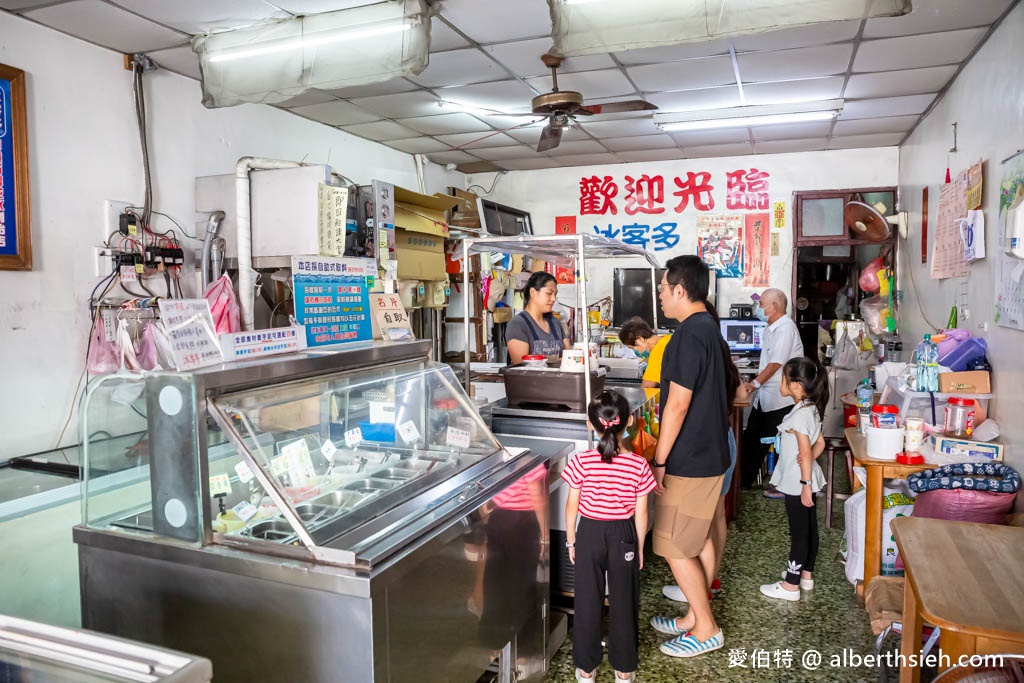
x=967, y=579
x=735, y=493
x=877, y=472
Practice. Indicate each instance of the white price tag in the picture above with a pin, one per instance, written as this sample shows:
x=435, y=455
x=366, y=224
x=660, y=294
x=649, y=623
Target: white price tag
x=279, y=465
x=409, y=432
x=244, y=510
x=109, y=318
x=243, y=472
x=353, y=437
x=128, y=274
x=458, y=438
x=220, y=485
x=328, y=450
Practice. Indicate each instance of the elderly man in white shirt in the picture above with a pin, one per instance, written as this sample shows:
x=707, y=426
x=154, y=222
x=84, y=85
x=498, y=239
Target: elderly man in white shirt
x=781, y=342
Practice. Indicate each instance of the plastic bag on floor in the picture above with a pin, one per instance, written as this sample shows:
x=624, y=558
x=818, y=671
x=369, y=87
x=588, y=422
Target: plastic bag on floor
x=897, y=501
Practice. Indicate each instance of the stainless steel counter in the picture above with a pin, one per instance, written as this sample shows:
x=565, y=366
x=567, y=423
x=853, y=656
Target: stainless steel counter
x=553, y=423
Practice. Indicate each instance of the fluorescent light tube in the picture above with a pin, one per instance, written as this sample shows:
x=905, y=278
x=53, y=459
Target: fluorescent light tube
x=309, y=42
x=742, y=121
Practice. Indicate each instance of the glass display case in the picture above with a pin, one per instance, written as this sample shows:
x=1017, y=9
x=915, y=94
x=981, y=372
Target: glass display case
x=324, y=486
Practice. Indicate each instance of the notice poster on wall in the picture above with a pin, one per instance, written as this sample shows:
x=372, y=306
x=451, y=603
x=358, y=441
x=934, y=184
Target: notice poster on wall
x=332, y=298
x=948, y=248
x=565, y=225
x=720, y=243
x=1009, y=268
x=757, y=245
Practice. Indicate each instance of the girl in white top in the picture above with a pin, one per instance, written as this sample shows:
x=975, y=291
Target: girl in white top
x=797, y=474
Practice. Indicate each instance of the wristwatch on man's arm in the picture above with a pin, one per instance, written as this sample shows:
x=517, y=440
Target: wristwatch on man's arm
x=757, y=385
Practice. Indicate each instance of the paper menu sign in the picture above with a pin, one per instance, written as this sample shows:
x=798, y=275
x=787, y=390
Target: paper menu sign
x=189, y=325
x=409, y=432
x=220, y=485
x=332, y=298
x=353, y=437
x=328, y=450
x=390, y=318
x=244, y=510
x=333, y=210
x=244, y=473
x=458, y=438
x=297, y=462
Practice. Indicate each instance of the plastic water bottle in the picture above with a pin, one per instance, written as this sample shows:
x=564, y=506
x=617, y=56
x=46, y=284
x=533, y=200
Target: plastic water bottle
x=927, y=365
x=864, y=397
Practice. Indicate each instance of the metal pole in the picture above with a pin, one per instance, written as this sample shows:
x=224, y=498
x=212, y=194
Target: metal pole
x=465, y=307
x=654, y=299
x=582, y=302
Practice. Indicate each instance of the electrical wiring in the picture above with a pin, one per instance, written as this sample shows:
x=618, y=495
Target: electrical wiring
x=171, y=219
x=493, y=185
x=917, y=296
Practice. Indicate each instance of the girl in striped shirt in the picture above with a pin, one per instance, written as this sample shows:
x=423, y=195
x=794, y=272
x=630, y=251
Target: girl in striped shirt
x=608, y=490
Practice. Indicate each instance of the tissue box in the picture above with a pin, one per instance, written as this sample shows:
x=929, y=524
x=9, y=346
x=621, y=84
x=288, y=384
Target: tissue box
x=992, y=450
x=969, y=382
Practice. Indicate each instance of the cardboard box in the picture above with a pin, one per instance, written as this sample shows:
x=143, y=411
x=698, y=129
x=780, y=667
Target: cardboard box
x=420, y=231
x=465, y=214
x=969, y=382
x=992, y=450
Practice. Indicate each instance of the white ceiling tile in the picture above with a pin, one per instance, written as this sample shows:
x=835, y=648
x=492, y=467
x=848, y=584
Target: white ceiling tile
x=799, y=36
x=494, y=21
x=711, y=137
x=446, y=124
x=336, y=113
x=501, y=153
x=107, y=25
x=592, y=84
x=15, y=5
x=527, y=164
x=908, y=52
x=889, y=124
x=181, y=60
x=380, y=131
x=588, y=159
x=651, y=155
x=309, y=97
x=508, y=95
x=601, y=128
x=389, y=87
x=459, y=67
x=443, y=37
x=804, y=62
x=886, y=106
x=420, y=145
x=456, y=157
x=855, y=141
x=688, y=75
x=793, y=131
x=476, y=141
x=531, y=135
x=786, y=92
x=696, y=100
x=402, y=105
x=674, y=53
x=577, y=147
x=637, y=142
x=937, y=15
x=735, y=150
x=319, y=6
x=894, y=83
x=784, y=146
x=523, y=58
x=203, y=16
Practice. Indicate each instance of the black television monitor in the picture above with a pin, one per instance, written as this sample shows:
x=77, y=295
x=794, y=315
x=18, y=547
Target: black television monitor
x=743, y=335
x=503, y=221
x=631, y=296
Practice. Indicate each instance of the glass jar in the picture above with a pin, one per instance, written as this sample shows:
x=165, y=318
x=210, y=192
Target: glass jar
x=885, y=417
x=959, y=418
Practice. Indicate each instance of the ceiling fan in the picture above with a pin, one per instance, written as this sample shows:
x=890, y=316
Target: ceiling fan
x=563, y=106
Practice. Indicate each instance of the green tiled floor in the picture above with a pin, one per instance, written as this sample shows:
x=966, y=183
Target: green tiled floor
x=828, y=619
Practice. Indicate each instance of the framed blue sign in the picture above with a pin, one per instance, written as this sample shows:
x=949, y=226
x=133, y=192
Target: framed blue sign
x=15, y=226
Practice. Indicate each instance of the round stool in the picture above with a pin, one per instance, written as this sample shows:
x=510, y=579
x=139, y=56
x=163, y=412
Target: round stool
x=833, y=444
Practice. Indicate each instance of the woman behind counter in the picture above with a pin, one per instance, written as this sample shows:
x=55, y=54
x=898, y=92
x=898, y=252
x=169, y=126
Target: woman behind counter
x=535, y=331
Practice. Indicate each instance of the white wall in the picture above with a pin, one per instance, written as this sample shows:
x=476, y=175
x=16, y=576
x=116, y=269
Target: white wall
x=549, y=193
x=987, y=101
x=83, y=149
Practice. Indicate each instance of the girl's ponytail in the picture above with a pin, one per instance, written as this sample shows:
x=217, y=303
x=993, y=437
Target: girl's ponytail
x=609, y=415
x=814, y=379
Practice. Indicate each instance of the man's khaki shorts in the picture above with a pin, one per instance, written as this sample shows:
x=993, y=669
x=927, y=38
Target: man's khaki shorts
x=683, y=515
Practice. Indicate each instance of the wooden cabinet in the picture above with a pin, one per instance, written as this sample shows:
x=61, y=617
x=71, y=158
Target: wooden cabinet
x=818, y=216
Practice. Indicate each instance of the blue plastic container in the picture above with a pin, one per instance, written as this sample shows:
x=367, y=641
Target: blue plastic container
x=968, y=350
x=381, y=433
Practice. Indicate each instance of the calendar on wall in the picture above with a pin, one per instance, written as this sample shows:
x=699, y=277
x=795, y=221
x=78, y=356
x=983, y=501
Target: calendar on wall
x=1009, y=279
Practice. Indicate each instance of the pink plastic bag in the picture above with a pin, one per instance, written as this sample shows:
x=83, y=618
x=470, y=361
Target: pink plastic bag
x=148, y=355
x=103, y=354
x=869, y=276
x=223, y=305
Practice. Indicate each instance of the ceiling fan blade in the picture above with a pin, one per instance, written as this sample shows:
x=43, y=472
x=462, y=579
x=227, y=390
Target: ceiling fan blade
x=615, y=107
x=550, y=138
